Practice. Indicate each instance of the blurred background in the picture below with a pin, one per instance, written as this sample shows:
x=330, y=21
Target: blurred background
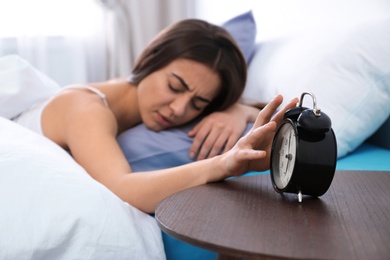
x=76, y=41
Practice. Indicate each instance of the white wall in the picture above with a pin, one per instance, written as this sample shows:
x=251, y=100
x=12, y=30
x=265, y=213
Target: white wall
x=279, y=17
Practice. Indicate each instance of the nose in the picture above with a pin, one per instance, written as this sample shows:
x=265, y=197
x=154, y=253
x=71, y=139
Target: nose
x=179, y=106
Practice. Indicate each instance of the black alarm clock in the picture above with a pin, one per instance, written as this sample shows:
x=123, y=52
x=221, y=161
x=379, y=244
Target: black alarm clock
x=304, y=152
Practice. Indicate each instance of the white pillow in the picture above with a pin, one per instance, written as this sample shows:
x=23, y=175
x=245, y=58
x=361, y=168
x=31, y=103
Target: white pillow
x=347, y=68
x=52, y=209
x=21, y=86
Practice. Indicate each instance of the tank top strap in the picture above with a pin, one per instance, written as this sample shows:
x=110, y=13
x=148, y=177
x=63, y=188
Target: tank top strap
x=92, y=89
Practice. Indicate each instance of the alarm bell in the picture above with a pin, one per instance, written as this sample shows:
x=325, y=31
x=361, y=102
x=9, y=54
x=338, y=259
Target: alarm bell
x=312, y=120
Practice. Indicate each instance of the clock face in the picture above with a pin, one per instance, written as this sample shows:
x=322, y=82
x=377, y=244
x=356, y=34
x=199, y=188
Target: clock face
x=284, y=155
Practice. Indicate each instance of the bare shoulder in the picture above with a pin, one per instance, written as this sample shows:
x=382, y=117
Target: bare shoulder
x=81, y=123
x=75, y=113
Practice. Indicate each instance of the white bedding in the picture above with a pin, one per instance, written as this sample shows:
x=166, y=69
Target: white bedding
x=22, y=86
x=50, y=208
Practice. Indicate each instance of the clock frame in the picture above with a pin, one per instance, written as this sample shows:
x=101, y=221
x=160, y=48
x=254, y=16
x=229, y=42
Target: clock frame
x=315, y=154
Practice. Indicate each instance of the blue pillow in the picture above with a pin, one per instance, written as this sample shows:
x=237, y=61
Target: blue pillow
x=148, y=150
x=243, y=29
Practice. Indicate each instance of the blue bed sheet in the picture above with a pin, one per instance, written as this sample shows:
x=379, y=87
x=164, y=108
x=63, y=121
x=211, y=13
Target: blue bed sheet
x=366, y=157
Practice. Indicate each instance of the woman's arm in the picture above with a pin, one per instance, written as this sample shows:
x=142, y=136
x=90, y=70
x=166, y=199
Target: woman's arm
x=250, y=153
x=145, y=190
x=89, y=132
x=219, y=131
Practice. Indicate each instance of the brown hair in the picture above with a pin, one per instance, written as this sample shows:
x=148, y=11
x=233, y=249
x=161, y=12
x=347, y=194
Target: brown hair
x=202, y=42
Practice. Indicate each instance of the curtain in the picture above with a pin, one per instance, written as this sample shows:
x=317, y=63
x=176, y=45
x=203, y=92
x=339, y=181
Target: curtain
x=75, y=41
x=131, y=24
x=57, y=37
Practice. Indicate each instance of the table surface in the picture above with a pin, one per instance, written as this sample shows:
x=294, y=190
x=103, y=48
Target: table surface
x=245, y=217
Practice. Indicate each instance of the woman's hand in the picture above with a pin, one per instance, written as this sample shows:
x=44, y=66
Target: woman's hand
x=219, y=131
x=252, y=152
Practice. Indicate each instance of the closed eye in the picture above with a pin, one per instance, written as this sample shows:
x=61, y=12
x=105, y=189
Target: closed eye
x=195, y=106
x=173, y=89
x=199, y=103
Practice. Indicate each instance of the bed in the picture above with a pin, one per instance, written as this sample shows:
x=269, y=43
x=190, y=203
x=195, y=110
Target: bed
x=52, y=209
x=346, y=67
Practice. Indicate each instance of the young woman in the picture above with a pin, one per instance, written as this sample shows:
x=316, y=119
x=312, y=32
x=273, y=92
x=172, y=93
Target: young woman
x=190, y=69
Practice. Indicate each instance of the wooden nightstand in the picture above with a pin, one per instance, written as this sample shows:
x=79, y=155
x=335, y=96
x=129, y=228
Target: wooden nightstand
x=245, y=218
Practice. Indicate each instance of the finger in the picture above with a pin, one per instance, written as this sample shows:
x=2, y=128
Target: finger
x=249, y=154
x=260, y=133
x=231, y=141
x=267, y=112
x=208, y=145
x=220, y=143
x=195, y=130
x=278, y=117
x=198, y=141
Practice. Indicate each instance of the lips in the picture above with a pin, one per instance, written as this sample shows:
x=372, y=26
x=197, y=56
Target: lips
x=162, y=120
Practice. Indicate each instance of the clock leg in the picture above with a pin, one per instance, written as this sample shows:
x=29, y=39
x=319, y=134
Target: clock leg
x=300, y=196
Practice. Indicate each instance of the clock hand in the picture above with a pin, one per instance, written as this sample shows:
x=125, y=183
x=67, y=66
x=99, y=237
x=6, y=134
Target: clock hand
x=289, y=142
x=288, y=155
x=288, y=162
x=289, y=158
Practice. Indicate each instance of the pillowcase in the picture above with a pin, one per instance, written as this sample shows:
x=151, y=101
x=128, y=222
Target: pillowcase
x=243, y=29
x=148, y=150
x=22, y=86
x=52, y=209
x=347, y=68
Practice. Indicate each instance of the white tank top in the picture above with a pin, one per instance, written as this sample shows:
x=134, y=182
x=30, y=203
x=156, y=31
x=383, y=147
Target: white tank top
x=31, y=118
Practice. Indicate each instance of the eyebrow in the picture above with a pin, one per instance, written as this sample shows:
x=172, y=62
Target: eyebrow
x=185, y=85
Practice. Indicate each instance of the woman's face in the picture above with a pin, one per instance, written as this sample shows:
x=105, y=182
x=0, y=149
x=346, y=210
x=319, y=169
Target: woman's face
x=176, y=94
